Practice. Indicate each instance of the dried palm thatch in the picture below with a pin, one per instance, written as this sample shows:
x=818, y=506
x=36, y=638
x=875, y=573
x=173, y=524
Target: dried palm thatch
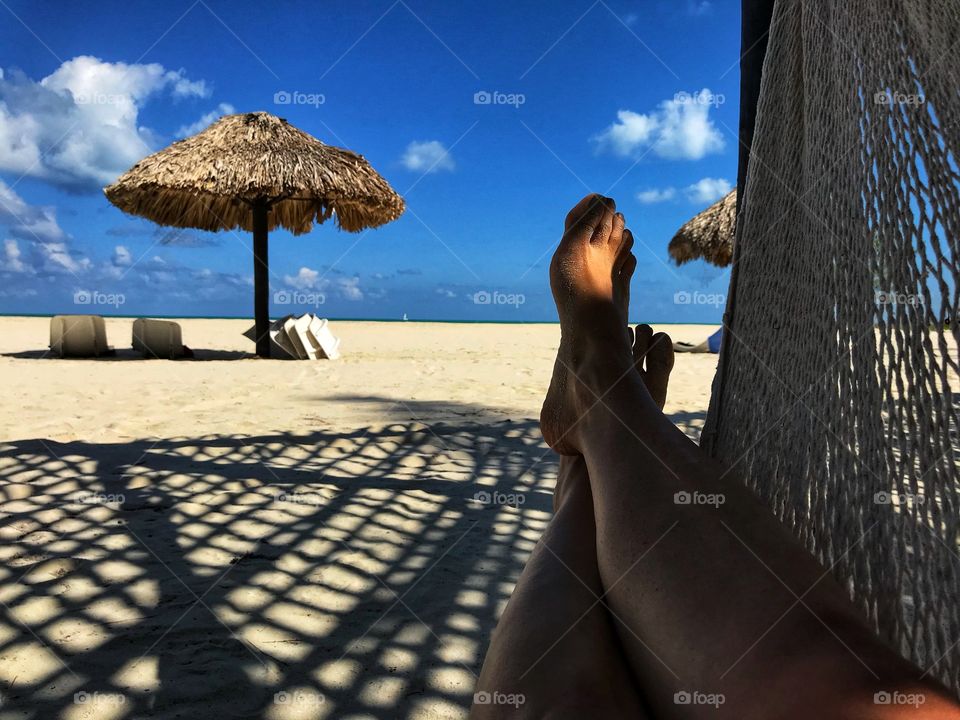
x=256, y=172
x=708, y=235
x=208, y=181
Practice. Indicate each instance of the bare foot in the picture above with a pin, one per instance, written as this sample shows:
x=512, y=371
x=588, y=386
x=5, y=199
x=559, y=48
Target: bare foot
x=653, y=361
x=653, y=358
x=595, y=350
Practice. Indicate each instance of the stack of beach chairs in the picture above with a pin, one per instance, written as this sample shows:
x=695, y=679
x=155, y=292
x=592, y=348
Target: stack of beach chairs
x=306, y=337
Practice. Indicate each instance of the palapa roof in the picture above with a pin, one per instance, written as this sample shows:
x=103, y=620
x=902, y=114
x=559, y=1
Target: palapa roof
x=204, y=180
x=708, y=235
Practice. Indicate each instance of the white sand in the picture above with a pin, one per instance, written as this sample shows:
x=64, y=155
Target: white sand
x=190, y=538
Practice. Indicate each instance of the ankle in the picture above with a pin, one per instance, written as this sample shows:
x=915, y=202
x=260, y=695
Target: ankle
x=601, y=363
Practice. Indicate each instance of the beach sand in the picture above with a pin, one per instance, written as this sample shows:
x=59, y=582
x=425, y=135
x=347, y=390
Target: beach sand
x=235, y=537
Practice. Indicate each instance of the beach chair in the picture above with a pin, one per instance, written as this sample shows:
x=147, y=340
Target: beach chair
x=296, y=338
x=312, y=338
x=323, y=339
x=301, y=338
x=158, y=339
x=78, y=336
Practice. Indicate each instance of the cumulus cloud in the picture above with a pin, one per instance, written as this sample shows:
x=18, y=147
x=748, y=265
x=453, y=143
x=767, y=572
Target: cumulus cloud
x=708, y=190
x=57, y=257
x=201, y=124
x=78, y=127
x=28, y=222
x=121, y=257
x=427, y=157
x=678, y=129
x=11, y=257
x=305, y=279
x=48, y=249
x=350, y=288
x=656, y=195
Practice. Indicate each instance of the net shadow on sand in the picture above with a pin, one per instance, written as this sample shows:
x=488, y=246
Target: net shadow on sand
x=281, y=575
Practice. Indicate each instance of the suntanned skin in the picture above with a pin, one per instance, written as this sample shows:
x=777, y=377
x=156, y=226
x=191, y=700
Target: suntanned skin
x=712, y=598
x=562, y=654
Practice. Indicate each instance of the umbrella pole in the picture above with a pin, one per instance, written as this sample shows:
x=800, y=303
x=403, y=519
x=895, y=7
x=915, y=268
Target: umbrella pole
x=261, y=278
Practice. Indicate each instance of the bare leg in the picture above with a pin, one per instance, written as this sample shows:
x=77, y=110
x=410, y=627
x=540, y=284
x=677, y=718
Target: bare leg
x=554, y=653
x=555, y=646
x=726, y=602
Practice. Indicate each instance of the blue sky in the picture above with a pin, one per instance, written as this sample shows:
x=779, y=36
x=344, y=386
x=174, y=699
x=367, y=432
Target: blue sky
x=637, y=100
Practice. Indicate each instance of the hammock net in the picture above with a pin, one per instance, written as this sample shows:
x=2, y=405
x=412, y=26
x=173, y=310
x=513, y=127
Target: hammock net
x=836, y=397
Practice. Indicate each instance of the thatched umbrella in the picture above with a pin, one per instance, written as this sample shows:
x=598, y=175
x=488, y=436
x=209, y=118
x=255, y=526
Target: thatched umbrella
x=708, y=235
x=256, y=172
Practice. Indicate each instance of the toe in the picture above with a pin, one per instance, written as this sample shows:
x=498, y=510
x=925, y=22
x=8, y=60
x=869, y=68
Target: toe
x=660, y=354
x=617, y=231
x=624, y=256
x=586, y=216
x=622, y=276
x=604, y=228
x=641, y=344
x=659, y=363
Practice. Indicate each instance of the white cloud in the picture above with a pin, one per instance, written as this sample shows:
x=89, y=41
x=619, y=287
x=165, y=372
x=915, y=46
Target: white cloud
x=28, y=222
x=121, y=256
x=655, y=195
x=350, y=288
x=57, y=257
x=708, y=190
x=203, y=122
x=78, y=127
x=310, y=279
x=630, y=132
x=699, y=7
x=427, y=157
x=11, y=257
x=679, y=129
x=48, y=250
x=305, y=279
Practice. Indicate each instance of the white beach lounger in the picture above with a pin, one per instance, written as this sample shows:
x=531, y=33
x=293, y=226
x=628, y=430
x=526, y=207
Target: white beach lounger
x=280, y=348
x=313, y=336
x=323, y=339
x=78, y=336
x=301, y=338
x=158, y=339
x=293, y=337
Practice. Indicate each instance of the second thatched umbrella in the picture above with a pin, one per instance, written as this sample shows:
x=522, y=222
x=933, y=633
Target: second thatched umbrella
x=708, y=235
x=256, y=172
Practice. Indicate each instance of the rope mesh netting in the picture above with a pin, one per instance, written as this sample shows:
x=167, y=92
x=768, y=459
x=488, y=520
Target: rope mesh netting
x=836, y=397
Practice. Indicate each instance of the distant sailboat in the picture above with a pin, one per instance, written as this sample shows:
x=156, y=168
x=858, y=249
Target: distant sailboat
x=405, y=317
